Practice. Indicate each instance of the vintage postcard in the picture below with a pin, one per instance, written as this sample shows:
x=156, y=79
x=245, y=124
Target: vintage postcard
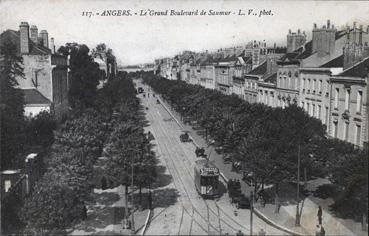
x=184, y=117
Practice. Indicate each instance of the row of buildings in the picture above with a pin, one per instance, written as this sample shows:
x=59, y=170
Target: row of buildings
x=327, y=76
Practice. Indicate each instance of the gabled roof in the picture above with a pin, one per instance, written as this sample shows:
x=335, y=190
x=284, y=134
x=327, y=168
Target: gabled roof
x=334, y=63
x=271, y=78
x=33, y=96
x=13, y=36
x=259, y=70
x=359, y=70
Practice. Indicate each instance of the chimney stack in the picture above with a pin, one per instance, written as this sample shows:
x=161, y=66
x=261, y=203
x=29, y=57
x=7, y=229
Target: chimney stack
x=298, y=31
x=34, y=33
x=361, y=35
x=52, y=45
x=24, y=37
x=45, y=38
x=315, y=26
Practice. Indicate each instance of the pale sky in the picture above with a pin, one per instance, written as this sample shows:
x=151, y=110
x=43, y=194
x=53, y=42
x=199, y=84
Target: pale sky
x=141, y=39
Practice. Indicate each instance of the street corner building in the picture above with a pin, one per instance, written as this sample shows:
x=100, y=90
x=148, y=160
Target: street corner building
x=45, y=82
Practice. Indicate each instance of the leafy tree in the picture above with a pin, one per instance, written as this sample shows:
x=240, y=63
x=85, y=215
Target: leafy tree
x=39, y=129
x=11, y=105
x=84, y=73
x=54, y=204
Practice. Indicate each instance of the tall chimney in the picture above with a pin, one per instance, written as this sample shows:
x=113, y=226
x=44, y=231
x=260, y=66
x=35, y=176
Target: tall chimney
x=361, y=35
x=34, y=33
x=328, y=24
x=52, y=45
x=24, y=37
x=45, y=38
x=315, y=26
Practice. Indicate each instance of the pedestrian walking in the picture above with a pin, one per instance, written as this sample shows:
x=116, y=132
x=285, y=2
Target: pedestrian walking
x=320, y=214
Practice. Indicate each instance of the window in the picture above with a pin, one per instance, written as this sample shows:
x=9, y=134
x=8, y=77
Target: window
x=320, y=86
x=358, y=135
x=337, y=91
x=308, y=108
x=308, y=84
x=347, y=99
x=359, y=101
x=326, y=115
x=346, y=131
x=318, y=112
x=314, y=84
x=313, y=111
x=8, y=184
x=335, y=124
x=303, y=83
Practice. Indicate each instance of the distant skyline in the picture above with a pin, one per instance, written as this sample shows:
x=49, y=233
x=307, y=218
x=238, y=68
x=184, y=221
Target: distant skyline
x=141, y=39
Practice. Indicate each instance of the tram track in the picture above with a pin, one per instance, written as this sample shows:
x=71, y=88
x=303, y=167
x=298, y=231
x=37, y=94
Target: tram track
x=188, y=155
x=203, y=218
x=170, y=150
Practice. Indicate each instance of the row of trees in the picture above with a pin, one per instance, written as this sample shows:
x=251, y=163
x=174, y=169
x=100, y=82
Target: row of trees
x=113, y=127
x=269, y=140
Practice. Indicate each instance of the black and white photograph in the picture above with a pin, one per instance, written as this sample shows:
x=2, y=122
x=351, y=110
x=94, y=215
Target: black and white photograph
x=184, y=117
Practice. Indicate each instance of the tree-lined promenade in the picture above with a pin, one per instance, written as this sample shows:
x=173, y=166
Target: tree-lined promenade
x=113, y=127
x=268, y=141
x=106, y=122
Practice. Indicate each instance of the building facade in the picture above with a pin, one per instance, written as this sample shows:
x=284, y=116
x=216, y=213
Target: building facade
x=45, y=79
x=349, y=104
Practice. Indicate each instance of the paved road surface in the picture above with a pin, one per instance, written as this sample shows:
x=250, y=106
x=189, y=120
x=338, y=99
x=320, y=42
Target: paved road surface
x=190, y=214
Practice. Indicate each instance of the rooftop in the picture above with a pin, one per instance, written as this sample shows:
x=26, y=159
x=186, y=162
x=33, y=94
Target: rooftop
x=13, y=36
x=359, y=70
x=336, y=62
x=259, y=70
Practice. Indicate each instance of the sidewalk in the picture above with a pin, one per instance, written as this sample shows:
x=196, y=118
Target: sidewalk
x=106, y=212
x=287, y=213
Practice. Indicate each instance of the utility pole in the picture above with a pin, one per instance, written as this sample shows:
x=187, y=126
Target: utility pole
x=251, y=210
x=297, y=223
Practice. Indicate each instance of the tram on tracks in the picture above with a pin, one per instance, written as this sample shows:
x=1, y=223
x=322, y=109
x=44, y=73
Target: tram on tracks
x=206, y=178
